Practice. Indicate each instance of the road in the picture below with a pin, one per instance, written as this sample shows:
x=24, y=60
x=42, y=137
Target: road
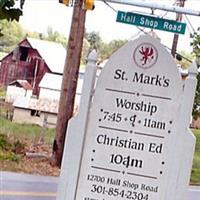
x=15, y=186
x=193, y=193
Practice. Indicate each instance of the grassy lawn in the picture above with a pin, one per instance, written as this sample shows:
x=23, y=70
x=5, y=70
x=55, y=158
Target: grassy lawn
x=24, y=131
x=16, y=140
x=195, y=176
x=2, y=93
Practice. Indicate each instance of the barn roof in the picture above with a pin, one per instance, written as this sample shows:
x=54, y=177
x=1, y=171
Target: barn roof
x=51, y=81
x=54, y=82
x=45, y=105
x=53, y=53
x=22, y=83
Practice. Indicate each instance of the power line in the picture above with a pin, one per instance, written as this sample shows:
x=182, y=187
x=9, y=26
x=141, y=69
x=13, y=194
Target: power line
x=191, y=26
x=145, y=4
x=142, y=30
x=168, y=11
x=140, y=12
x=110, y=6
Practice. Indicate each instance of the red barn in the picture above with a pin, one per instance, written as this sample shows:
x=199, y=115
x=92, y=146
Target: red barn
x=30, y=60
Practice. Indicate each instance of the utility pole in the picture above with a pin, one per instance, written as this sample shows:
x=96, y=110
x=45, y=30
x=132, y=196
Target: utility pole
x=176, y=36
x=70, y=78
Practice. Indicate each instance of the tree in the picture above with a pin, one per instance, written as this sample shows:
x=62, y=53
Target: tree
x=104, y=49
x=107, y=49
x=8, y=13
x=94, y=40
x=55, y=36
x=85, y=51
x=32, y=34
x=196, y=50
x=8, y=10
x=184, y=59
x=196, y=106
x=12, y=34
x=196, y=43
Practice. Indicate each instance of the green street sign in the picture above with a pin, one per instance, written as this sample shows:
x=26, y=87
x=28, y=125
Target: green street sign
x=151, y=22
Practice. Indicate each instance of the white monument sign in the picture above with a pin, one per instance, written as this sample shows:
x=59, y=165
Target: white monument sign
x=135, y=143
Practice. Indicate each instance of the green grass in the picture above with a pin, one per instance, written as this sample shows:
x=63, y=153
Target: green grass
x=10, y=156
x=13, y=136
x=2, y=93
x=25, y=130
x=9, y=149
x=195, y=176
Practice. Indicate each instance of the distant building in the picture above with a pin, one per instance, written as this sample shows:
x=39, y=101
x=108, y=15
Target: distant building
x=44, y=109
x=50, y=87
x=18, y=88
x=36, y=111
x=30, y=60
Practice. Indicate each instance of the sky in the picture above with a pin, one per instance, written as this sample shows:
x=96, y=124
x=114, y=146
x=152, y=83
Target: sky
x=38, y=15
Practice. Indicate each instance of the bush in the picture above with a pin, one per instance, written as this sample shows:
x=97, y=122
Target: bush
x=10, y=150
x=4, y=143
x=10, y=156
x=18, y=147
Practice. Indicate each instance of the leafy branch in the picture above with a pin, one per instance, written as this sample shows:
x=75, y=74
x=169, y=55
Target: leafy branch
x=8, y=10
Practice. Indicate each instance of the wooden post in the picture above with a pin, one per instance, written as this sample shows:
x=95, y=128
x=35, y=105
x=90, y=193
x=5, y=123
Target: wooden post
x=175, y=40
x=69, y=82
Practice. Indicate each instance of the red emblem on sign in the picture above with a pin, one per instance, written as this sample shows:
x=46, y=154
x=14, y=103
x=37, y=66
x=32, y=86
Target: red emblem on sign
x=145, y=55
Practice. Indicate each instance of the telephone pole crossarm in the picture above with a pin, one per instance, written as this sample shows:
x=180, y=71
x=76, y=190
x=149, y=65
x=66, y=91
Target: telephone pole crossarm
x=154, y=6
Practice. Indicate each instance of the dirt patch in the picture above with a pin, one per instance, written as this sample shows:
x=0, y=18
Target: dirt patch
x=30, y=166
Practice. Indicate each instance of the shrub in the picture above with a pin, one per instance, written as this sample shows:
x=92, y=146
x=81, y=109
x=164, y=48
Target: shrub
x=10, y=156
x=4, y=143
x=18, y=147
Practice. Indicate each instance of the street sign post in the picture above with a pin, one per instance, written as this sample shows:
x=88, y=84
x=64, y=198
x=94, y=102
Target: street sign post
x=151, y=22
